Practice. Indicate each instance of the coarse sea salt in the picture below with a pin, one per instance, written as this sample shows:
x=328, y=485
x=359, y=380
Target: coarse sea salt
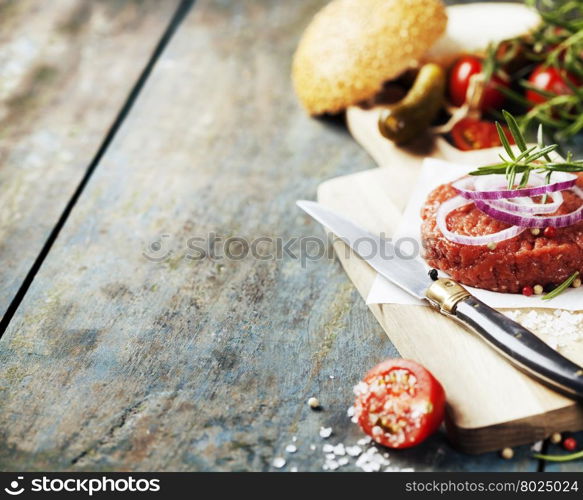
x=370, y=459
x=354, y=451
x=364, y=441
x=365, y=455
x=325, y=432
x=559, y=328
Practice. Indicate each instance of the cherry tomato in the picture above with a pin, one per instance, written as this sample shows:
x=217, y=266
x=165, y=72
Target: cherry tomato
x=549, y=79
x=468, y=134
x=459, y=81
x=399, y=403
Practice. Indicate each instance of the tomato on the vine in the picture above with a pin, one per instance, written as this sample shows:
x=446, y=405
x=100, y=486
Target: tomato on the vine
x=459, y=81
x=399, y=403
x=469, y=134
x=549, y=79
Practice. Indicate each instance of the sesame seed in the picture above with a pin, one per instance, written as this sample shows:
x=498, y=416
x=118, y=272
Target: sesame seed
x=290, y=448
x=576, y=283
x=278, y=462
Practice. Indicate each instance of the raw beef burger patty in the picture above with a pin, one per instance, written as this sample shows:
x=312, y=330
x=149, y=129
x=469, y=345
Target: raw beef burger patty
x=513, y=264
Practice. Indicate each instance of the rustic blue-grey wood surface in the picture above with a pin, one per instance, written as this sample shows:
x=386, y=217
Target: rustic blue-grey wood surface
x=127, y=129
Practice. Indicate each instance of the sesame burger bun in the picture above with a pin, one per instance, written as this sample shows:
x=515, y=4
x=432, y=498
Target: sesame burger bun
x=352, y=47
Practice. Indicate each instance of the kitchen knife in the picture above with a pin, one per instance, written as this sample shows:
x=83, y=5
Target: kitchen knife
x=518, y=344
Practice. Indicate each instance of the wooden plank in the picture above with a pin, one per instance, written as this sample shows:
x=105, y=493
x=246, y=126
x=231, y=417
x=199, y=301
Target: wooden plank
x=117, y=362
x=490, y=403
x=66, y=69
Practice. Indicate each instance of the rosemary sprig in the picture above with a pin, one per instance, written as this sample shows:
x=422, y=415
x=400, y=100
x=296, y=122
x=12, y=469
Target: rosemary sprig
x=530, y=159
x=562, y=287
x=557, y=43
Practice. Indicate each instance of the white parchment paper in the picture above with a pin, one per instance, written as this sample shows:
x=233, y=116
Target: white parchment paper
x=434, y=173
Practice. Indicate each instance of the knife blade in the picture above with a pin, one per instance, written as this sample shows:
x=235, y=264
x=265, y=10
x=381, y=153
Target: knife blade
x=519, y=345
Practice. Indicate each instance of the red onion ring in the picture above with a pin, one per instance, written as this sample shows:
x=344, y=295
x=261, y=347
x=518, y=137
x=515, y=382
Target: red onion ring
x=528, y=206
x=566, y=181
x=449, y=206
x=532, y=221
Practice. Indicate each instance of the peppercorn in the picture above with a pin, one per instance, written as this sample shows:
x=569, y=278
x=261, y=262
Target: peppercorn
x=538, y=289
x=570, y=444
x=576, y=283
x=527, y=290
x=550, y=232
x=556, y=437
x=507, y=453
x=535, y=231
x=314, y=403
x=433, y=274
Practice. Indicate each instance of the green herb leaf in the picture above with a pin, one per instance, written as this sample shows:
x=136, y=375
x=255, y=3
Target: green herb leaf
x=559, y=458
x=515, y=130
x=562, y=287
x=529, y=158
x=504, y=140
x=556, y=43
x=540, y=140
x=543, y=152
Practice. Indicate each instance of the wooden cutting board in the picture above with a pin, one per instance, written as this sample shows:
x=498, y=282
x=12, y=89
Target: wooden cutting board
x=491, y=404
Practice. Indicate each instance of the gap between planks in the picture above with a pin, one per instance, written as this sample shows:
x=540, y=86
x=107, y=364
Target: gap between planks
x=182, y=11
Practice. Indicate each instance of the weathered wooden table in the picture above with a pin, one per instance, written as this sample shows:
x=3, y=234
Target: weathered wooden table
x=127, y=129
